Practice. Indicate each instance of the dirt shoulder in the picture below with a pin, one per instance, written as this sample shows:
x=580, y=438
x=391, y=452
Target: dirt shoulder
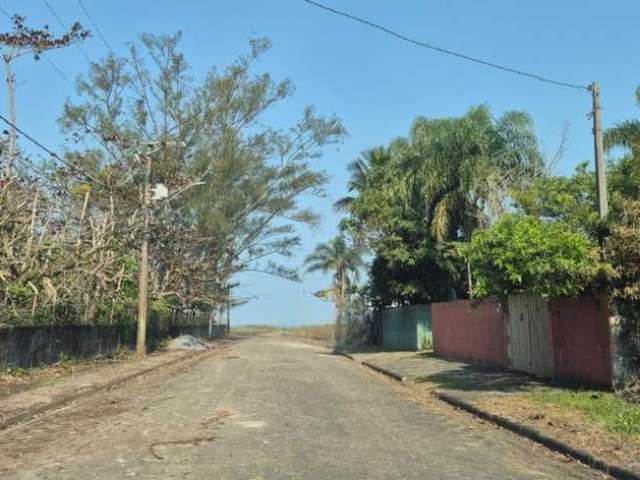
x=51, y=387
x=17, y=380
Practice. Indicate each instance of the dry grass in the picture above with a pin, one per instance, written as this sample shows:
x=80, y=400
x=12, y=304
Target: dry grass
x=313, y=332
x=593, y=421
x=310, y=332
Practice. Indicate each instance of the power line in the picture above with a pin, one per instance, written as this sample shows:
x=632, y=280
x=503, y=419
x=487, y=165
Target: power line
x=60, y=72
x=57, y=69
x=7, y=14
x=45, y=149
x=95, y=25
x=64, y=27
x=30, y=138
x=446, y=51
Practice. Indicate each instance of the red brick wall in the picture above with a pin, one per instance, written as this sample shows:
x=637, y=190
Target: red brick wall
x=475, y=334
x=581, y=340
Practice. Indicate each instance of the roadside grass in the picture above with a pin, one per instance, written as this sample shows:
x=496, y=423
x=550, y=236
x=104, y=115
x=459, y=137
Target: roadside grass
x=614, y=413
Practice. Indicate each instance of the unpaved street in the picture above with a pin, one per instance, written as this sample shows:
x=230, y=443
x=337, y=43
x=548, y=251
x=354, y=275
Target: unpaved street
x=268, y=408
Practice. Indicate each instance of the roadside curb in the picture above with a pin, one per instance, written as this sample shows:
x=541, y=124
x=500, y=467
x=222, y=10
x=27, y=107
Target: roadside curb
x=348, y=355
x=539, y=437
x=372, y=366
x=31, y=412
x=385, y=371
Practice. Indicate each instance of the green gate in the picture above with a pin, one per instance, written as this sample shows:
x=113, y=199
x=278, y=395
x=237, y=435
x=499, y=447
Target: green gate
x=407, y=328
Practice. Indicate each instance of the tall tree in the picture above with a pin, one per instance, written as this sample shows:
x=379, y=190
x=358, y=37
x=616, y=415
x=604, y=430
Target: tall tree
x=465, y=168
x=450, y=177
x=234, y=182
x=345, y=261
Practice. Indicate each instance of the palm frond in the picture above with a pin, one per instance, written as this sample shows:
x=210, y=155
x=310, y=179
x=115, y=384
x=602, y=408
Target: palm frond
x=624, y=134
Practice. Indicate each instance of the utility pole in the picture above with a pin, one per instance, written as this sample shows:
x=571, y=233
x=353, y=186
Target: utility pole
x=143, y=274
x=228, y=309
x=11, y=100
x=601, y=175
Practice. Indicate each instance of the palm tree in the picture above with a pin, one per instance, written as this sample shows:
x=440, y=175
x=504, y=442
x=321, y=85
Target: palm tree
x=625, y=134
x=345, y=262
x=360, y=171
x=466, y=167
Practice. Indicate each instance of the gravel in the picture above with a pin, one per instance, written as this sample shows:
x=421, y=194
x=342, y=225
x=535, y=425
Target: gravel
x=187, y=342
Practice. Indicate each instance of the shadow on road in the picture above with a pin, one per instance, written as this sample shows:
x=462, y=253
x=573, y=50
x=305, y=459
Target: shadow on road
x=474, y=378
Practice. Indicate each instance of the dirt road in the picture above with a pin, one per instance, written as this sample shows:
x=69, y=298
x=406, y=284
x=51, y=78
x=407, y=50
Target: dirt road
x=269, y=408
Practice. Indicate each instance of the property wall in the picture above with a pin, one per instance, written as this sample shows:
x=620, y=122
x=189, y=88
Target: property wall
x=470, y=331
x=24, y=347
x=406, y=328
x=581, y=340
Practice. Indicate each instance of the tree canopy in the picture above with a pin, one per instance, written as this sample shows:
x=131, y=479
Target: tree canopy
x=448, y=178
x=526, y=253
x=233, y=182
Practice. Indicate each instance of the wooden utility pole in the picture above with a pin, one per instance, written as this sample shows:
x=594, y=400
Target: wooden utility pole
x=143, y=275
x=228, y=309
x=601, y=175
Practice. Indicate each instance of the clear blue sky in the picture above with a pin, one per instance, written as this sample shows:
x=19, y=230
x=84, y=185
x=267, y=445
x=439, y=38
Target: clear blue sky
x=375, y=83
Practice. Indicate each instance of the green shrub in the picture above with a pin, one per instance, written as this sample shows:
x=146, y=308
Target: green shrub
x=526, y=253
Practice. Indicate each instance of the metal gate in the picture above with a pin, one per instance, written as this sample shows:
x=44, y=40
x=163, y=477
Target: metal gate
x=529, y=335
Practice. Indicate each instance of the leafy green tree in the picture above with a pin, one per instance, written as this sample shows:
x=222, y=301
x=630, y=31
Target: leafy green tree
x=431, y=274
x=571, y=199
x=344, y=260
x=450, y=177
x=525, y=253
